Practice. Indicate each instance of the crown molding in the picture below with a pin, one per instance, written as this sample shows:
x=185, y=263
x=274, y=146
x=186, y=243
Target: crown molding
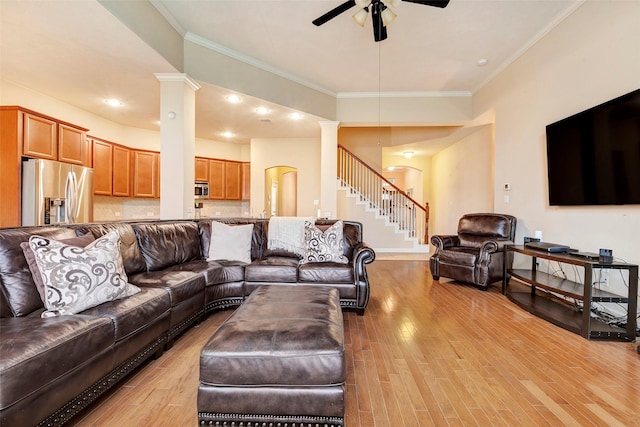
x=168, y=16
x=430, y=94
x=178, y=77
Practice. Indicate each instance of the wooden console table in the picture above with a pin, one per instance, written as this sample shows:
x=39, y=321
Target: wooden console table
x=544, y=305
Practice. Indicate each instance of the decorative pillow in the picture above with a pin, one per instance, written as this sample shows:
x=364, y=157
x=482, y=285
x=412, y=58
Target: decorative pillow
x=231, y=243
x=323, y=246
x=80, y=241
x=76, y=279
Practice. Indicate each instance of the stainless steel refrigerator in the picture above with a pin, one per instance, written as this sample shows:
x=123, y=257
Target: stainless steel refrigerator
x=56, y=193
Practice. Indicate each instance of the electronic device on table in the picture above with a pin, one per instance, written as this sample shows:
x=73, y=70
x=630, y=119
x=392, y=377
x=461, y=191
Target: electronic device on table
x=547, y=247
x=587, y=255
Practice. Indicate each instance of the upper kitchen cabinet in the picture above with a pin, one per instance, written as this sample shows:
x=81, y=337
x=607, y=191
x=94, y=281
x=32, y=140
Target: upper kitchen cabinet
x=122, y=176
x=124, y=172
x=39, y=137
x=216, y=179
x=246, y=181
x=233, y=176
x=10, y=166
x=146, y=174
x=227, y=180
x=202, y=169
x=102, y=167
x=51, y=139
x=73, y=146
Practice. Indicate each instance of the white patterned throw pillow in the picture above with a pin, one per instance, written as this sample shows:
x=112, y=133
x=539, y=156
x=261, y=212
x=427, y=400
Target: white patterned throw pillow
x=323, y=246
x=76, y=278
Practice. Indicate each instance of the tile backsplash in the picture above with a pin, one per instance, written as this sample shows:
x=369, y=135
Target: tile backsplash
x=107, y=208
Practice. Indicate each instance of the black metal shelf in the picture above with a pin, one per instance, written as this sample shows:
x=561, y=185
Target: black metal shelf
x=565, y=287
x=539, y=291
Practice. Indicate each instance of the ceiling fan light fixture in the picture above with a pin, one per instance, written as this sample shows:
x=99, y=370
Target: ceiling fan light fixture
x=379, y=29
x=361, y=16
x=387, y=15
x=381, y=15
x=408, y=154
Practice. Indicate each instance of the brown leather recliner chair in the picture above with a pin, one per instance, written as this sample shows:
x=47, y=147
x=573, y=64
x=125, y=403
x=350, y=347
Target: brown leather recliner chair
x=476, y=254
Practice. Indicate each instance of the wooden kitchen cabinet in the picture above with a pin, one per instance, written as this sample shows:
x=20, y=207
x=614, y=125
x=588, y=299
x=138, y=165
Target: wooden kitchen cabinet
x=10, y=166
x=40, y=137
x=72, y=146
x=216, y=179
x=121, y=171
x=146, y=175
x=202, y=169
x=226, y=181
x=51, y=139
x=246, y=181
x=102, y=167
x=233, y=176
x=30, y=134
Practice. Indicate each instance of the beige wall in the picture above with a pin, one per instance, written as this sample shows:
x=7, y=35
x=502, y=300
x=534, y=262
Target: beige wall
x=591, y=57
x=462, y=179
x=417, y=174
x=363, y=143
x=300, y=153
x=364, y=109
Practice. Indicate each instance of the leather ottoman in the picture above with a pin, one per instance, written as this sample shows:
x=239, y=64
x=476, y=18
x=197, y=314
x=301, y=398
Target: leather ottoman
x=278, y=360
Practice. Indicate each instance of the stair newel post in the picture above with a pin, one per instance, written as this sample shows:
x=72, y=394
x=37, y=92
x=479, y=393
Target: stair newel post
x=426, y=223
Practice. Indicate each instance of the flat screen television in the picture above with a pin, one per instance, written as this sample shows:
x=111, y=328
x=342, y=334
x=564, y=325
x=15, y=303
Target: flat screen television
x=593, y=157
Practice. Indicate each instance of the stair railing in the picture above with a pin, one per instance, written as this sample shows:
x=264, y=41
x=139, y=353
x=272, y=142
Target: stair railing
x=384, y=196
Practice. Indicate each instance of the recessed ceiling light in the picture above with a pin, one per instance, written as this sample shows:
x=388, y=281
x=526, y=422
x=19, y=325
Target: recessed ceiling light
x=234, y=99
x=113, y=102
x=391, y=168
x=482, y=62
x=262, y=110
x=295, y=116
x=227, y=134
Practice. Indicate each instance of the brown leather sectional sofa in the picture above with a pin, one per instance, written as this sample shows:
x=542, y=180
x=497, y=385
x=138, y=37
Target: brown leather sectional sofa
x=51, y=368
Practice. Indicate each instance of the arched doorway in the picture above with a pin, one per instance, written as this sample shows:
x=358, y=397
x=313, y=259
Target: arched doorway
x=281, y=191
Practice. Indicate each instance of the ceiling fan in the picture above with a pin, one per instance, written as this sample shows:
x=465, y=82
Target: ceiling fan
x=381, y=15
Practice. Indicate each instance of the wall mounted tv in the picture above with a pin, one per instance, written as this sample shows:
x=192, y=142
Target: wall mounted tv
x=593, y=157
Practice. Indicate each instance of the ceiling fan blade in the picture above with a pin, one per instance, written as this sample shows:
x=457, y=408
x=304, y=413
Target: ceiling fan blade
x=436, y=3
x=334, y=12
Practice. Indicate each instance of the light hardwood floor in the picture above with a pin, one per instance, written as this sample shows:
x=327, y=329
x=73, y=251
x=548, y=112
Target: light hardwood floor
x=425, y=353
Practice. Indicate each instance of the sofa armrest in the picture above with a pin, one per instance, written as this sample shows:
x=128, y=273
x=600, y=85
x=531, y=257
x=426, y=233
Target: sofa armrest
x=362, y=255
x=445, y=241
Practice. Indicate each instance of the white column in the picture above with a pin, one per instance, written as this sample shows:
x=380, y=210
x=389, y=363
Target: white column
x=328, y=168
x=177, y=144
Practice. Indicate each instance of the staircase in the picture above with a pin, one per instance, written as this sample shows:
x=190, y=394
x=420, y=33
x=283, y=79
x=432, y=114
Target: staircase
x=392, y=221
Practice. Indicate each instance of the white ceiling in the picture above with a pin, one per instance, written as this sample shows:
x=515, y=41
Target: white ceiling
x=78, y=52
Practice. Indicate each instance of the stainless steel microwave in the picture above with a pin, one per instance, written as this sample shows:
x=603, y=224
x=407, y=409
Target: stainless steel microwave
x=201, y=190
